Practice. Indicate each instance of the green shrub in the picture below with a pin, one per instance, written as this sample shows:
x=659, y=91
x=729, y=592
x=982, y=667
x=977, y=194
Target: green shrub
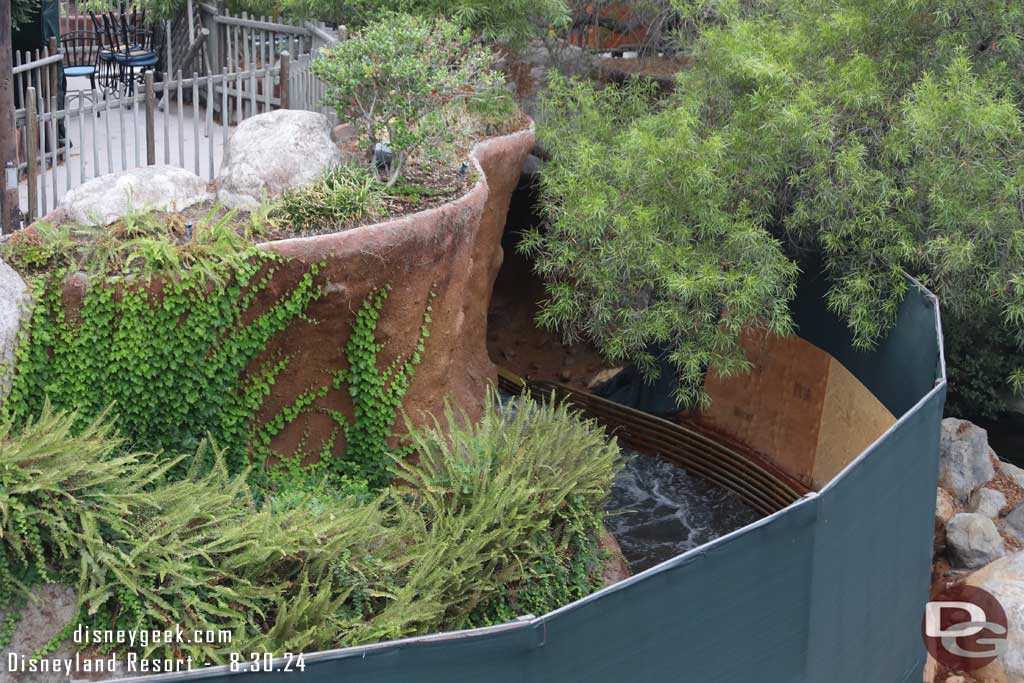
x=510, y=22
x=22, y=12
x=392, y=79
x=146, y=552
x=342, y=195
x=494, y=505
x=39, y=248
x=642, y=247
x=867, y=137
x=497, y=518
x=140, y=243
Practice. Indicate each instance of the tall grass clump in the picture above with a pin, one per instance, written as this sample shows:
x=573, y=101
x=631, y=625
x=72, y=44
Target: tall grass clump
x=343, y=194
x=489, y=521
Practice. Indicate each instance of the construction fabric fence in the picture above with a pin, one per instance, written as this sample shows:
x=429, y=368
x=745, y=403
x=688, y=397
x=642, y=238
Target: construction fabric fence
x=829, y=590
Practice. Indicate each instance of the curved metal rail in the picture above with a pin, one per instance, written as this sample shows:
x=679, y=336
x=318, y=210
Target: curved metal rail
x=754, y=482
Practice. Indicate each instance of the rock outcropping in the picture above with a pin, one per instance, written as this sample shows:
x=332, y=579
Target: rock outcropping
x=270, y=153
x=986, y=501
x=973, y=540
x=103, y=200
x=972, y=533
x=1004, y=579
x=964, y=462
x=14, y=306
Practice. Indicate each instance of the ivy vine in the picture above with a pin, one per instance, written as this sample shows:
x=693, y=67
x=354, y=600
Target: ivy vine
x=171, y=361
x=376, y=394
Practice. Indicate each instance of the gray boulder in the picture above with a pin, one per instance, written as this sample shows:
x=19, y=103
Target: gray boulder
x=14, y=306
x=273, y=152
x=988, y=502
x=1015, y=473
x=973, y=540
x=964, y=460
x=1004, y=579
x=103, y=200
x=48, y=610
x=1014, y=523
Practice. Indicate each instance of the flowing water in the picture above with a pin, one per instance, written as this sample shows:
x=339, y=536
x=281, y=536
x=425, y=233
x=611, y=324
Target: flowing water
x=658, y=510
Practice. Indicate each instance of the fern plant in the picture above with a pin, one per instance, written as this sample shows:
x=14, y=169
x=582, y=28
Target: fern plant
x=491, y=518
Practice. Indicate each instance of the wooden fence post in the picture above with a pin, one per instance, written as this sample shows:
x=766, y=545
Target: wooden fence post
x=151, y=119
x=212, y=38
x=8, y=130
x=32, y=152
x=52, y=70
x=284, y=76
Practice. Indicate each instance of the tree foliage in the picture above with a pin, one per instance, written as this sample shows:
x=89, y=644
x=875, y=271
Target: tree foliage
x=510, y=22
x=395, y=76
x=644, y=247
x=874, y=136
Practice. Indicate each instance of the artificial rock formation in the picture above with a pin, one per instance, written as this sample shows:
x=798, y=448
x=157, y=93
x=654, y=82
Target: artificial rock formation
x=49, y=608
x=103, y=200
x=447, y=256
x=14, y=305
x=271, y=152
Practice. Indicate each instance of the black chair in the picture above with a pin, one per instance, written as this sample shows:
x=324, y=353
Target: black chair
x=80, y=52
x=126, y=46
x=107, y=68
x=135, y=50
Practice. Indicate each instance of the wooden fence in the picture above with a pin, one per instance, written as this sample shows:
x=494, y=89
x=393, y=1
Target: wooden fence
x=239, y=66
x=40, y=69
x=117, y=134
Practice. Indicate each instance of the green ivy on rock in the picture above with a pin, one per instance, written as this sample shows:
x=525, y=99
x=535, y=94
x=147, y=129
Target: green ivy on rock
x=175, y=363
x=169, y=361
x=376, y=394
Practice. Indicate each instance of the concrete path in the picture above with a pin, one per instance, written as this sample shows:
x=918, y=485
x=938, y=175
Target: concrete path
x=116, y=140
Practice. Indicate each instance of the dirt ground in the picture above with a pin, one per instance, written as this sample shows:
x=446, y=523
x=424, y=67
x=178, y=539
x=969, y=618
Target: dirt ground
x=653, y=67
x=514, y=340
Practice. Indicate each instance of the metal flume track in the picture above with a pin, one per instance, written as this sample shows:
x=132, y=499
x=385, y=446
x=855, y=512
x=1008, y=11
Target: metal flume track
x=762, y=489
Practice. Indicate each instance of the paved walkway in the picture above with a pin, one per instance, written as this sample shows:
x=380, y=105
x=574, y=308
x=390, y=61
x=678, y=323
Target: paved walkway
x=116, y=140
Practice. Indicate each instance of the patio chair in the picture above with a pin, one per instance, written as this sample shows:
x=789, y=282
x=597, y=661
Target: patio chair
x=135, y=50
x=107, y=68
x=80, y=58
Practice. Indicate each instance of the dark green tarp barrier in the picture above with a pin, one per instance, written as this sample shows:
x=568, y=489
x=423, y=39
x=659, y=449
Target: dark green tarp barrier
x=829, y=590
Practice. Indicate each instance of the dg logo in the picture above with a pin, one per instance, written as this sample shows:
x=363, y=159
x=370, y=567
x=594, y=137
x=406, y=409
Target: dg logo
x=965, y=628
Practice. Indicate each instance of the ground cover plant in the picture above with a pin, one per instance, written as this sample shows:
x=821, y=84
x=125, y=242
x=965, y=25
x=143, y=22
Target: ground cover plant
x=170, y=337
x=342, y=195
x=865, y=138
x=490, y=521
